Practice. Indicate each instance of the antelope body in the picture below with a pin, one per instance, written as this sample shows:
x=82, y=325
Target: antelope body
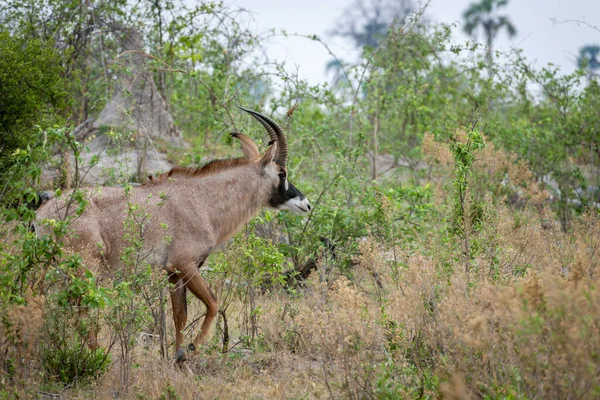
x=186, y=214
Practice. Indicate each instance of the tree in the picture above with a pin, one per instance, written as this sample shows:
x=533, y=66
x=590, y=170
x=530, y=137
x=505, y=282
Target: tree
x=485, y=15
x=367, y=22
x=589, y=58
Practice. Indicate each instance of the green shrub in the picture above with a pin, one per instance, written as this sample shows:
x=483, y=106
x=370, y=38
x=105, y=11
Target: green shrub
x=67, y=355
x=34, y=93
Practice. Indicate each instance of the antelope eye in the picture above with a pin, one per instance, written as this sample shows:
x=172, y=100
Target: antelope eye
x=282, y=175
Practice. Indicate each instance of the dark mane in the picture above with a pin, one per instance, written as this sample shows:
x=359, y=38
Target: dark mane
x=210, y=168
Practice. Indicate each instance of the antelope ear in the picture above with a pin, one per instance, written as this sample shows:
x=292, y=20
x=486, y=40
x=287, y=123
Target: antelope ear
x=249, y=148
x=269, y=155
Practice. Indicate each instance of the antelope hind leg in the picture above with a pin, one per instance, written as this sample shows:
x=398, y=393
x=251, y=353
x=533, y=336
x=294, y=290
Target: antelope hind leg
x=200, y=289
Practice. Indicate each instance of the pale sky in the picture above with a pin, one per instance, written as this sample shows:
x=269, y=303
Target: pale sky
x=541, y=40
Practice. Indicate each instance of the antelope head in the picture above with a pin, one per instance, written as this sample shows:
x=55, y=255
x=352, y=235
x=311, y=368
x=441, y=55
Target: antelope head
x=283, y=194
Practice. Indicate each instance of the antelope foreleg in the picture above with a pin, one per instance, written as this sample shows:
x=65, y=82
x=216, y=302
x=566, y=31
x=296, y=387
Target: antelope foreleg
x=179, y=303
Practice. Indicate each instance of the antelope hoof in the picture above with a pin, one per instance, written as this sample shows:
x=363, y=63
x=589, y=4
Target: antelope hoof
x=180, y=356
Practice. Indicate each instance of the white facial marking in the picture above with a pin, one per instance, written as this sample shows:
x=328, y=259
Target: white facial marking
x=297, y=205
x=286, y=185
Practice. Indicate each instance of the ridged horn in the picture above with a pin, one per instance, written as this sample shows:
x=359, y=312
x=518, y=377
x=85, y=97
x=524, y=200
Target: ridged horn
x=275, y=133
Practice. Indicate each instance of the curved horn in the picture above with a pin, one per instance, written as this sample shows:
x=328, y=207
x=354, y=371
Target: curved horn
x=275, y=133
x=264, y=123
x=249, y=148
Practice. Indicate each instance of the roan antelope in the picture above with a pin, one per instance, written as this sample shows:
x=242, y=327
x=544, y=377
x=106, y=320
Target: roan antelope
x=197, y=209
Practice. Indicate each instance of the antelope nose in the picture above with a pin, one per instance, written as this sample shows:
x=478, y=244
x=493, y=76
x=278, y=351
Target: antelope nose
x=308, y=206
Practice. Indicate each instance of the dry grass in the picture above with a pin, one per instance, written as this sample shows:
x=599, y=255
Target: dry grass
x=533, y=336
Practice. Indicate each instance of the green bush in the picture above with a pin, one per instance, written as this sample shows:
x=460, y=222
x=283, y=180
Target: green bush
x=70, y=361
x=34, y=95
x=67, y=354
